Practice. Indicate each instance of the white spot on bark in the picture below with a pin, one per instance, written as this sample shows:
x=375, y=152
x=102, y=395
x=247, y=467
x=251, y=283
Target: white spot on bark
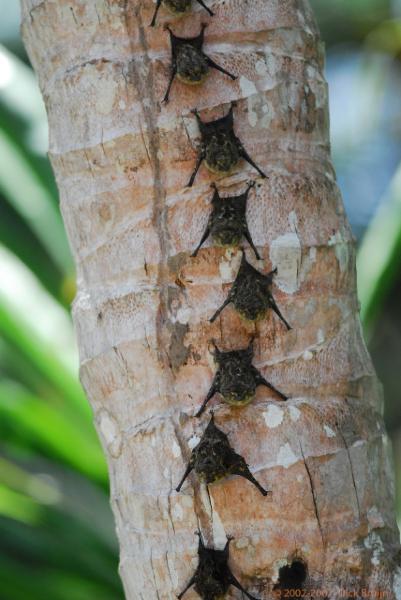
x=229, y=268
x=341, y=250
x=286, y=456
x=320, y=336
x=277, y=565
x=110, y=432
x=334, y=239
x=293, y=220
x=166, y=473
x=225, y=270
x=204, y=496
x=193, y=441
x=295, y=413
x=397, y=584
x=307, y=355
x=261, y=67
x=358, y=443
x=242, y=543
x=176, y=449
x=191, y=127
x=285, y=254
x=375, y=518
x=329, y=432
x=177, y=512
x=374, y=542
x=273, y=416
x=183, y=315
x=219, y=533
x=247, y=87
x=342, y=255
x=259, y=112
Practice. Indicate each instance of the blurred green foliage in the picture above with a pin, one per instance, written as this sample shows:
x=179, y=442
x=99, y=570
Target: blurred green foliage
x=57, y=537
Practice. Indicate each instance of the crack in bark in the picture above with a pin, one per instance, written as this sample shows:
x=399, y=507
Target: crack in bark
x=35, y=8
x=122, y=360
x=73, y=15
x=145, y=145
x=314, y=497
x=169, y=571
x=352, y=472
x=150, y=111
x=211, y=510
x=169, y=511
x=97, y=13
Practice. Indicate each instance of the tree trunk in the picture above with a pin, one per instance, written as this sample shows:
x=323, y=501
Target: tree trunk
x=142, y=311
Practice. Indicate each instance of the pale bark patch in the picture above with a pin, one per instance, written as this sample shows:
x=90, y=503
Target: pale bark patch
x=285, y=254
x=329, y=432
x=397, y=584
x=286, y=456
x=110, y=432
x=273, y=416
x=295, y=413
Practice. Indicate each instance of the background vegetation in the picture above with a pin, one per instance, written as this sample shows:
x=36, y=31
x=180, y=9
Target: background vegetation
x=56, y=532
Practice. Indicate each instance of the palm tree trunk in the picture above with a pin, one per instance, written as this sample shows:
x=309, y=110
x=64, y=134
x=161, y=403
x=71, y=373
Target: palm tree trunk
x=142, y=311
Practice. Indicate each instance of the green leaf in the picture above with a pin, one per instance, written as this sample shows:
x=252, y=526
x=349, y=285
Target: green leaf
x=31, y=194
x=17, y=236
x=379, y=255
x=38, y=423
x=27, y=582
x=34, y=324
x=21, y=186
x=19, y=506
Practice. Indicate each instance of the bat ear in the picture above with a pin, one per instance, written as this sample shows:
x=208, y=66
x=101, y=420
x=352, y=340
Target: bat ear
x=216, y=195
x=230, y=114
x=211, y=425
x=198, y=40
x=201, y=545
x=227, y=546
x=213, y=349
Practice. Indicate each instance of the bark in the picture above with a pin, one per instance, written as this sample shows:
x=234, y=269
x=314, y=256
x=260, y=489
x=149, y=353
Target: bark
x=141, y=313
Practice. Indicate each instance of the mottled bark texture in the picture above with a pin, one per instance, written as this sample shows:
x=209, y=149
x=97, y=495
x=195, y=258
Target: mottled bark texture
x=121, y=161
